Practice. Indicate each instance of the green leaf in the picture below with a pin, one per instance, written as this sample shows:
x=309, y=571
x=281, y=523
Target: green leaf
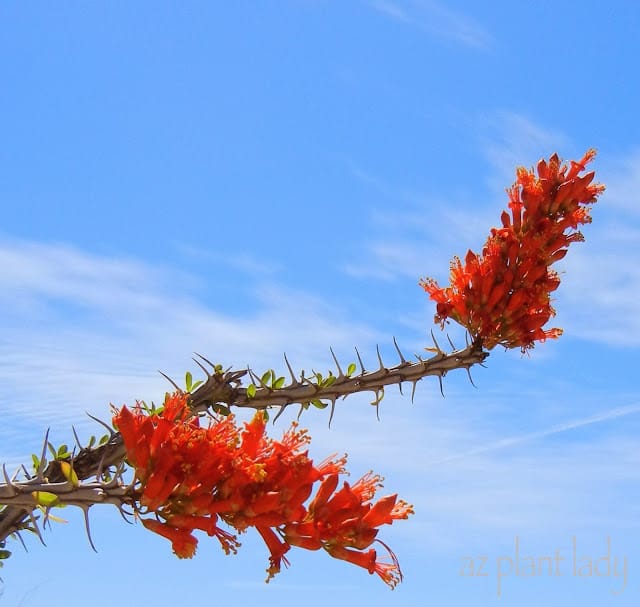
x=63, y=451
x=92, y=441
x=319, y=404
x=278, y=383
x=251, y=390
x=5, y=554
x=44, y=498
x=221, y=409
x=188, y=380
x=329, y=381
x=69, y=473
x=266, y=376
x=351, y=369
x=104, y=439
x=36, y=461
x=196, y=385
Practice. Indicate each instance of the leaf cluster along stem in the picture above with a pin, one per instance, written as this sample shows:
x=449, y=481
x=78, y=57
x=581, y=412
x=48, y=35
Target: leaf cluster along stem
x=220, y=389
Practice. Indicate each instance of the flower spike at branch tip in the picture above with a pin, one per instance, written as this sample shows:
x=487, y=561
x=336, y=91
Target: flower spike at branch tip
x=502, y=295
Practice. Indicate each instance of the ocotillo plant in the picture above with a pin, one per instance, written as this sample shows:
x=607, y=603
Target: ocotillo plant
x=187, y=465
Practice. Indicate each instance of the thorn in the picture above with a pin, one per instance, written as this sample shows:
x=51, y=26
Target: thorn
x=176, y=386
x=436, y=343
x=294, y=381
x=402, y=359
x=205, y=360
x=252, y=375
x=333, y=409
x=41, y=463
x=466, y=338
x=75, y=436
x=206, y=371
x=400, y=387
x=379, y=357
x=470, y=378
x=124, y=514
x=19, y=536
x=257, y=379
x=335, y=360
x=36, y=529
x=100, y=471
x=235, y=376
x=413, y=389
x=440, y=381
x=376, y=402
x=360, y=361
x=85, y=510
x=279, y=413
x=8, y=480
x=103, y=424
x=450, y=342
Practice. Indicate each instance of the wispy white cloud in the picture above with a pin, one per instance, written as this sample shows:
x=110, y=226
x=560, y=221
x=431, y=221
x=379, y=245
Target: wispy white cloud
x=622, y=176
x=242, y=261
x=437, y=19
x=466, y=472
x=511, y=139
x=414, y=233
x=540, y=434
x=79, y=331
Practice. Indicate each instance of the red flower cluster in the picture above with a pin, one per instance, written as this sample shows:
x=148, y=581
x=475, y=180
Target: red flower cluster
x=503, y=296
x=192, y=477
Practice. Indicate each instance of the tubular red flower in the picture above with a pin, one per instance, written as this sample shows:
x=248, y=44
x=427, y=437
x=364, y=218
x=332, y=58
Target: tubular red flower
x=191, y=478
x=503, y=296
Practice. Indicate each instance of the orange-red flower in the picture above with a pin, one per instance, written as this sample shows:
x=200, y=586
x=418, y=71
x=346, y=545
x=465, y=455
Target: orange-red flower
x=503, y=295
x=191, y=478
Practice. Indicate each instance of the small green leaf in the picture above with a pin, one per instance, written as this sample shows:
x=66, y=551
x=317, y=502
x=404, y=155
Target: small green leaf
x=63, y=451
x=36, y=461
x=5, y=554
x=104, y=439
x=188, y=380
x=329, y=381
x=251, y=390
x=278, y=383
x=92, y=441
x=319, y=404
x=193, y=388
x=44, y=498
x=221, y=409
x=351, y=369
x=266, y=376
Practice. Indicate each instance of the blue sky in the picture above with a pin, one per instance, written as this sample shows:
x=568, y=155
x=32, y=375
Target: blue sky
x=243, y=179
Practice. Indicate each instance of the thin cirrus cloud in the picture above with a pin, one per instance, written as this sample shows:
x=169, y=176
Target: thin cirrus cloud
x=473, y=482
x=80, y=331
x=436, y=19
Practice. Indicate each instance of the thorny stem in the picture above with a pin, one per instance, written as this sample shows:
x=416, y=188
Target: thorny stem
x=220, y=388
